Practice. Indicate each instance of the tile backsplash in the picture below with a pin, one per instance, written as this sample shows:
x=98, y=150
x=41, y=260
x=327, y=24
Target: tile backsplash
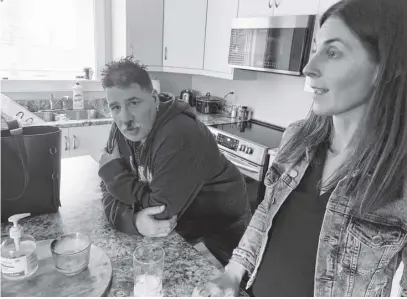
x=36, y=105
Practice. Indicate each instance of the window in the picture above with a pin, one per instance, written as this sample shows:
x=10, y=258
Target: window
x=46, y=39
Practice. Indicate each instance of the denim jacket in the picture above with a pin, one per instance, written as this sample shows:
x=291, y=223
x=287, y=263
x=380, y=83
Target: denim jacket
x=356, y=256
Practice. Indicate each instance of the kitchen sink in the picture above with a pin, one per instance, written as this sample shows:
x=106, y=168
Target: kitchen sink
x=52, y=115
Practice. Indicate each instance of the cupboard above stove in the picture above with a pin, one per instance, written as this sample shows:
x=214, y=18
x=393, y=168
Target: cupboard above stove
x=191, y=36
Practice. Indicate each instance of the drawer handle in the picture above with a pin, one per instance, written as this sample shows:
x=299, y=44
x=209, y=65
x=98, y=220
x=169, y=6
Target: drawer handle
x=74, y=142
x=66, y=143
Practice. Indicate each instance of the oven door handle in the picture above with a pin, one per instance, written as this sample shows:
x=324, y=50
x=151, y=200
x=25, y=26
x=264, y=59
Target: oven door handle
x=239, y=165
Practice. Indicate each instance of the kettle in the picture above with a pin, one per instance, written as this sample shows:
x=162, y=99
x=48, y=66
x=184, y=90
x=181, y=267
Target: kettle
x=188, y=96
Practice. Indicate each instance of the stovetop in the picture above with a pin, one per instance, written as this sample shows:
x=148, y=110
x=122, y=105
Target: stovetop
x=260, y=133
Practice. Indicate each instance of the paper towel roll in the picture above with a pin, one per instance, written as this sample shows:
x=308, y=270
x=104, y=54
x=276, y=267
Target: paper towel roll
x=156, y=85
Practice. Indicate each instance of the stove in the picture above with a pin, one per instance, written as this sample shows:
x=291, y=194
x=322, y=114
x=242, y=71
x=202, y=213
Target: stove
x=246, y=145
x=262, y=134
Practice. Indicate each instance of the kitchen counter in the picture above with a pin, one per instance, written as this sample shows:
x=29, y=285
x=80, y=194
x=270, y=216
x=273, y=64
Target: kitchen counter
x=207, y=119
x=82, y=211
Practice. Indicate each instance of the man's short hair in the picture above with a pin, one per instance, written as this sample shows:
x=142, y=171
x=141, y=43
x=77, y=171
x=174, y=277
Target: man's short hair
x=124, y=72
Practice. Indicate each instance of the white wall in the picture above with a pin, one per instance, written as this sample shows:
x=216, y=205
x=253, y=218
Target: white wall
x=275, y=99
x=173, y=83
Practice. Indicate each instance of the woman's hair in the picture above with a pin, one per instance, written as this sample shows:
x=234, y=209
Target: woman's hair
x=379, y=153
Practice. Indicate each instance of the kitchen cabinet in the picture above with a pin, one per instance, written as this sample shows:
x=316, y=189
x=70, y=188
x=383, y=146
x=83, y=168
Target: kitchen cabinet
x=255, y=8
x=325, y=4
x=295, y=7
x=268, y=8
x=137, y=29
x=218, y=28
x=65, y=143
x=80, y=141
x=88, y=140
x=184, y=33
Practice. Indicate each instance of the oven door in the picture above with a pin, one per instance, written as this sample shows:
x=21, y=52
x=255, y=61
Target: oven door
x=253, y=175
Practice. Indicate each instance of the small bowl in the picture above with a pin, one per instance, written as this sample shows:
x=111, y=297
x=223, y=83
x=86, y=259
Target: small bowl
x=71, y=252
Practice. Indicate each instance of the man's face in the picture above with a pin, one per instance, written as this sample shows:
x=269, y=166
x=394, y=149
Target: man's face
x=133, y=110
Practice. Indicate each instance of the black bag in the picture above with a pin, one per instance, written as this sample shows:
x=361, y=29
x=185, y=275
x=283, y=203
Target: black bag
x=30, y=170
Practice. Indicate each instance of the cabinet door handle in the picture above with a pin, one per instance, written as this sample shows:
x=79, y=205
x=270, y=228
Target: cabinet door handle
x=271, y=3
x=131, y=49
x=166, y=53
x=74, y=142
x=66, y=143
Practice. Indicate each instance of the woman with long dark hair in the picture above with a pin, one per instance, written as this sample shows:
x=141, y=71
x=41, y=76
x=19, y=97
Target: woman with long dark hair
x=334, y=218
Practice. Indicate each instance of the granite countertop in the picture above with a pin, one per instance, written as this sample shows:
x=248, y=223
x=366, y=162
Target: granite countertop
x=207, y=119
x=82, y=211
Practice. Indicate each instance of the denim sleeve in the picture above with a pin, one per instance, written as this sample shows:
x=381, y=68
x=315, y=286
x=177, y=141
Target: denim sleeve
x=249, y=246
x=403, y=282
x=246, y=253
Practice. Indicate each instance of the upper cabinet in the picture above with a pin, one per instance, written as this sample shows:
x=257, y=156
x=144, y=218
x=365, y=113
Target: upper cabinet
x=218, y=29
x=325, y=4
x=184, y=33
x=137, y=29
x=295, y=7
x=267, y=8
x=255, y=8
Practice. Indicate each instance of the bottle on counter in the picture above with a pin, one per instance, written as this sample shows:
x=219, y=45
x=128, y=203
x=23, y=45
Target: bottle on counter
x=234, y=111
x=78, y=102
x=242, y=113
x=18, y=253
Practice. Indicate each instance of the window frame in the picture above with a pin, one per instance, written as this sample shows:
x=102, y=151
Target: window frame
x=103, y=54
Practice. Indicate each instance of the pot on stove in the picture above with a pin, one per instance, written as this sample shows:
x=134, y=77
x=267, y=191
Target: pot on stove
x=208, y=104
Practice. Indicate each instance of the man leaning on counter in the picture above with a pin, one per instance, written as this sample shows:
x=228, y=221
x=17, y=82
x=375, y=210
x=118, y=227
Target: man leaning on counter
x=162, y=170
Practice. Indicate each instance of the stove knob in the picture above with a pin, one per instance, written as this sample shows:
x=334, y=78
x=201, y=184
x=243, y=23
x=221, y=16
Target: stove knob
x=249, y=150
x=243, y=147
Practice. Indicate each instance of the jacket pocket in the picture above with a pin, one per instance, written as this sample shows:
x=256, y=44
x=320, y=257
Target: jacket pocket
x=375, y=235
x=369, y=248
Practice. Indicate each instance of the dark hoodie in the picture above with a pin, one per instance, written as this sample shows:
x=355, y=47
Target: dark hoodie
x=179, y=166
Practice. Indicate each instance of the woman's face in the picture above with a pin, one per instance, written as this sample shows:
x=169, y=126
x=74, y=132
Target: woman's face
x=341, y=73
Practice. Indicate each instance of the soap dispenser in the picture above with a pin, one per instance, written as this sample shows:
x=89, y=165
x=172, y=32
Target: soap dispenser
x=18, y=253
x=78, y=101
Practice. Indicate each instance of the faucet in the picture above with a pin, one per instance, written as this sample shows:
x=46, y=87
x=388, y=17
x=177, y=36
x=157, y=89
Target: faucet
x=51, y=101
x=64, y=101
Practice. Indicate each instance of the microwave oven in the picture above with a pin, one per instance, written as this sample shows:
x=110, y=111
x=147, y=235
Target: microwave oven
x=279, y=44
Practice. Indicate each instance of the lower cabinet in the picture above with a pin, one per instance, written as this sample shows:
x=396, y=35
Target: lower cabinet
x=80, y=141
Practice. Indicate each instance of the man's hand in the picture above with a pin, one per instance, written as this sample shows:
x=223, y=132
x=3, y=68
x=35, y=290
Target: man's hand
x=106, y=157
x=148, y=226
